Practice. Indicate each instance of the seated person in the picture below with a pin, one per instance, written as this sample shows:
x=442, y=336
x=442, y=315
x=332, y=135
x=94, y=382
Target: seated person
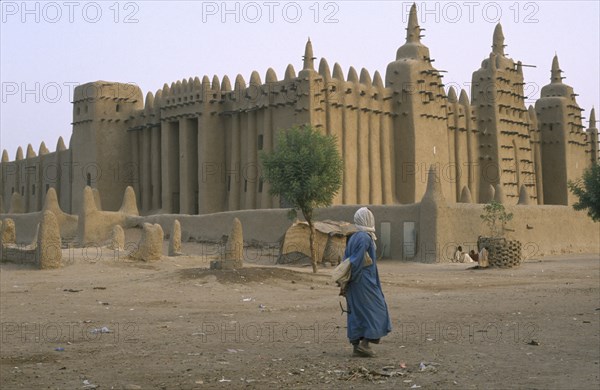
x=462, y=257
x=474, y=255
x=483, y=257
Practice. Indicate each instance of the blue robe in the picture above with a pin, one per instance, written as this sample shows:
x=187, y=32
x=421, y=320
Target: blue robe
x=368, y=315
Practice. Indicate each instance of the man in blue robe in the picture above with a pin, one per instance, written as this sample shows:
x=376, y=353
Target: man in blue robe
x=368, y=317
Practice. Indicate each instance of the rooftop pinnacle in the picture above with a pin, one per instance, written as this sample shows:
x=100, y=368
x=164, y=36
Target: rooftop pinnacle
x=413, y=31
x=556, y=71
x=498, y=41
x=592, y=119
x=309, y=59
x=452, y=95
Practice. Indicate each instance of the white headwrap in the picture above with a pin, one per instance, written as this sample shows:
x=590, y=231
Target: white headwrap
x=365, y=221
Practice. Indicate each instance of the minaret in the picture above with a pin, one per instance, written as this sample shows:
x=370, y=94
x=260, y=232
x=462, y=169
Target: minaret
x=505, y=151
x=413, y=48
x=498, y=41
x=419, y=120
x=413, y=30
x=99, y=139
x=556, y=72
x=563, y=142
x=309, y=58
x=310, y=83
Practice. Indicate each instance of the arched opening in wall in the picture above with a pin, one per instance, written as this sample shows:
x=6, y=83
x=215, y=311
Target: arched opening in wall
x=33, y=189
x=117, y=108
x=78, y=110
x=86, y=108
x=517, y=165
x=22, y=190
x=89, y=179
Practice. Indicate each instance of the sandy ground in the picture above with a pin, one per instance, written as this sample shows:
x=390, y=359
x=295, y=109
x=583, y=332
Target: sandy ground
x=174, y=324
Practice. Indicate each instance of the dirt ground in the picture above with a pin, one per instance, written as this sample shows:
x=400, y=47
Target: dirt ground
x=110, y=323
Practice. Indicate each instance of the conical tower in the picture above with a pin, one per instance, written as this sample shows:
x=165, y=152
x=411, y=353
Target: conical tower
x=307, y=100
x=498, y=41
x=563, y=142
x=505, y=152
x=309, y=59
x=419, y=124
x=100, y=111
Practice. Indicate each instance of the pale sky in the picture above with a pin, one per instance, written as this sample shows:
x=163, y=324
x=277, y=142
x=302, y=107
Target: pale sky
x=49, y=47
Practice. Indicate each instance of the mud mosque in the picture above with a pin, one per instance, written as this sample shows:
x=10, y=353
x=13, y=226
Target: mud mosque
x=192, y=148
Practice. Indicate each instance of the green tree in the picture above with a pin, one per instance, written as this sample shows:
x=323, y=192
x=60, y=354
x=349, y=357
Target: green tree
x=495, y=217
x=305, y=169
x=587, y=189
